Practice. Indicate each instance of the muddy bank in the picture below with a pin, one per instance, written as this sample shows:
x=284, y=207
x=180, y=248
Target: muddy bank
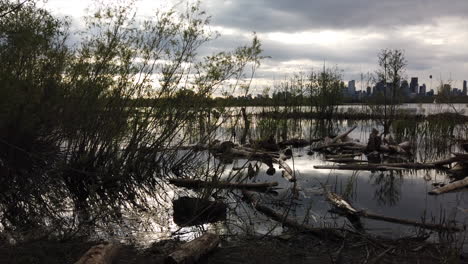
x=287, y=248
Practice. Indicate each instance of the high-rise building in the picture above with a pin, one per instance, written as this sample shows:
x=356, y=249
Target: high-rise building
x=369, y=90
x=405, y=89
x=464, y=88
x=422, y=89
x=352, y=87
x=414, y=85
x=446, y=89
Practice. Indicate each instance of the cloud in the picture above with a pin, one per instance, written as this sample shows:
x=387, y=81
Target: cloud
x=298, y=15
x=302, y=34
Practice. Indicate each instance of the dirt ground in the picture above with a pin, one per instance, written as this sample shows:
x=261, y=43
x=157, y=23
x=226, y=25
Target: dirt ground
x=293, y=248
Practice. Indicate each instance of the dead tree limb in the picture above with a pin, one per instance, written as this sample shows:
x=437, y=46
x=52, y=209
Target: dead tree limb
x=286, y=221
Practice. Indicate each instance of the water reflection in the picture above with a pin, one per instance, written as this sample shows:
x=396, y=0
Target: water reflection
x=387, y=187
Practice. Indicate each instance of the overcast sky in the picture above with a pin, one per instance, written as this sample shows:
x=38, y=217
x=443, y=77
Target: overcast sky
x=302, y=34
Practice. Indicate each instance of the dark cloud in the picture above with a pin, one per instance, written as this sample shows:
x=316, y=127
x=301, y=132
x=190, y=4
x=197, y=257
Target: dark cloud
x=298, y=15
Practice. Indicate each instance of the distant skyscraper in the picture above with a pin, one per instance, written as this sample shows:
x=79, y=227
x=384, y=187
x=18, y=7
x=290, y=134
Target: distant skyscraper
x=405, y=89
x=352, y=87
x=422, y=89
x=446, y=89
x=369, y=90
x=464, y=88
x=414, y=85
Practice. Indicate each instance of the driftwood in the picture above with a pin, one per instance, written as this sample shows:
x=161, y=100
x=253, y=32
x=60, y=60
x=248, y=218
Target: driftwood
x=99, y=254
x=342, y=136
x=353, y=215
x=342, y=156
x=287, y=171
x=335, y=145
x=192, y=251
x=346, y=160
x=402, y=221
x=390, y=166
x=450, y=187
x=286, y=221
x=188, y=183
x=339, y=202
x=369, y=166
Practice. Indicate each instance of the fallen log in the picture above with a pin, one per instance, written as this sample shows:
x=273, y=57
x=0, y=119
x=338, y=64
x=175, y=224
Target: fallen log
x=385, y=166
x=450, y=187
x=334, y=145
x=287, y=171
x=339, y=202
x=369, y=166
x=342, y=205
x=342, y=156
x=344, y=208
x=192, y=251
x=99, y=254
x=461, y=157
x=286, y=221
x=429, y=226
x=341, y=136
x=346, y=160
x=189, y=183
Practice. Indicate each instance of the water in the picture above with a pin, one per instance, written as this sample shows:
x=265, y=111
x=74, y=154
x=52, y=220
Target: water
x=400, y=194
x=412, y=109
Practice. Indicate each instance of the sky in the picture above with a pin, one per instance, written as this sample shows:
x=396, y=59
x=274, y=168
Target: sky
x=300, y=35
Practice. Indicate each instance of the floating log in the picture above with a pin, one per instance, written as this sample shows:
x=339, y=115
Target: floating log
x=192, y=251
x=342, y=156
x=450, y=187
x=286, y=221
x=346, y=160
x=408, y=222
x=370, y=167
x=189, y=183
x=344, y=208
x=99, y=254
x=339, y=202
x=334, y=145
x=342, y=205
x=388, y=166
x=194, y=211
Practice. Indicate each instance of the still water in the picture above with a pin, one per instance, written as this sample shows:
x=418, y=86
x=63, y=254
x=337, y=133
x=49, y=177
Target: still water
x=400, y=194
